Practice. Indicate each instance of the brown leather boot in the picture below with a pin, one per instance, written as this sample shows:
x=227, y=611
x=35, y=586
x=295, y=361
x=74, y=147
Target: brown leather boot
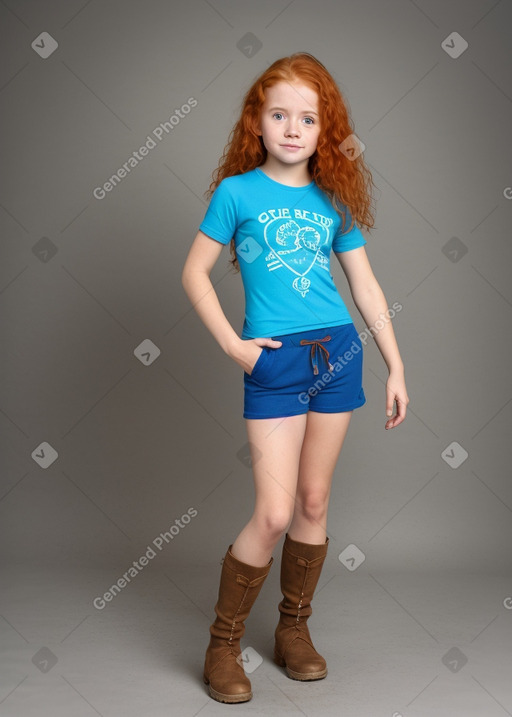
x=239, y=586
x=301, y=565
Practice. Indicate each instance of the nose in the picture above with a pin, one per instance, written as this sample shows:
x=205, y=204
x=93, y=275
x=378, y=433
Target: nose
x=292, y=130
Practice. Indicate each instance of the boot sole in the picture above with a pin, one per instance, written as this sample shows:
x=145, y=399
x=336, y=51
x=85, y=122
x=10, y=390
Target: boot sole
x=302, y=676
x=229, y=699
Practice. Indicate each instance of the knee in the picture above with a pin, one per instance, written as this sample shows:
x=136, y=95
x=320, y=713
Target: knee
x=274, y=522
x=314, y=505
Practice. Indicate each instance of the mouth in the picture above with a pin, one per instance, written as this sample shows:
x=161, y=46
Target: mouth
x=292, y=146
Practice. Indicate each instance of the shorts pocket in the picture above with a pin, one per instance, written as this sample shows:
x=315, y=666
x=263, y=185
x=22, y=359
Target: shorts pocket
x=259, y=361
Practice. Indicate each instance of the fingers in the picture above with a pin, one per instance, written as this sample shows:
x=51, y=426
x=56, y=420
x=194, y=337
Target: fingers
x=396, y=420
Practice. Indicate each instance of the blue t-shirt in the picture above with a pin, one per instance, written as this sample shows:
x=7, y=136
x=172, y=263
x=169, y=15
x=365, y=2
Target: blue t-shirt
x=283, y=239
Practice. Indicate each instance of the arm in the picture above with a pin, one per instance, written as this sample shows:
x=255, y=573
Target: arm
x=371, y=304
x=197, y=284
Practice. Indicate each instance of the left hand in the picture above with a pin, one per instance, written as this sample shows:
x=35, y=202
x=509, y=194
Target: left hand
x=396, y=392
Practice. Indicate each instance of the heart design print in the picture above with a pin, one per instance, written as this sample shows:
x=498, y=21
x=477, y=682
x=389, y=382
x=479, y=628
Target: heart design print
x=296, y=246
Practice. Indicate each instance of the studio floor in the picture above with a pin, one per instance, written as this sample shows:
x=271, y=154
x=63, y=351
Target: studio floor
x=396, y=644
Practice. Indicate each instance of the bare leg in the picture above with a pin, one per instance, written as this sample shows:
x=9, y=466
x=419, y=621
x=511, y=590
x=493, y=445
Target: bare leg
x=323, y=440
x=275, y=450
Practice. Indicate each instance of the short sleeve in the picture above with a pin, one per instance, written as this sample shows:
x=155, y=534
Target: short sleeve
x=350, y=240
x=220, y=220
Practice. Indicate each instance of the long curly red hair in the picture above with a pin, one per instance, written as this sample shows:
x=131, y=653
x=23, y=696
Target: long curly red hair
x=347, y=182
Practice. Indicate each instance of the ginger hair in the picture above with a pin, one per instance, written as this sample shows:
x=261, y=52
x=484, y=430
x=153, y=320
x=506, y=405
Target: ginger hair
x=347, y=182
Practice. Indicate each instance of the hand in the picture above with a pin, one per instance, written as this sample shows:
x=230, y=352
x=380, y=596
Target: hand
x=396, y=392
x=248, y=351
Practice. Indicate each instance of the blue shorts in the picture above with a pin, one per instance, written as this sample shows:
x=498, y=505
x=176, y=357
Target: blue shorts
x=318, y=370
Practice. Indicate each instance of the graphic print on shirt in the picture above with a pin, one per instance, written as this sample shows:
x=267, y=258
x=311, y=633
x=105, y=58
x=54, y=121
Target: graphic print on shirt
x=295, y=239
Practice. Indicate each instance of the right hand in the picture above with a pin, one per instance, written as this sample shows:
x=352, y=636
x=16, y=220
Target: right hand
x=248, y=352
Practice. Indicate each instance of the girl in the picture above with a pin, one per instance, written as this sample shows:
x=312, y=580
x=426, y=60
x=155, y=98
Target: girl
x=287, y=191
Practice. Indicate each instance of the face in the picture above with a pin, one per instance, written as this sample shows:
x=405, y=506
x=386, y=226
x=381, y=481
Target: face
x=290, y=123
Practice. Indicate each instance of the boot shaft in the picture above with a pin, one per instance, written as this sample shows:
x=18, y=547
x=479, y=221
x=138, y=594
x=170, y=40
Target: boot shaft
x=301, y=566
x=240, y=584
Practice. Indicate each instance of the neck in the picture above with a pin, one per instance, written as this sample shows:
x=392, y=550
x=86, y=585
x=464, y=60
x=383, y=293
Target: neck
x=295, y=175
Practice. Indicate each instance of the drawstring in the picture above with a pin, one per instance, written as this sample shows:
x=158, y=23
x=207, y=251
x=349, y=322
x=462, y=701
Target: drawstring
x=314, y=348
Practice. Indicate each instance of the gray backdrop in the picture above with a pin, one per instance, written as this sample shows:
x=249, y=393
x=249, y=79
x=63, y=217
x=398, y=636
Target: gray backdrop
x=119, y=412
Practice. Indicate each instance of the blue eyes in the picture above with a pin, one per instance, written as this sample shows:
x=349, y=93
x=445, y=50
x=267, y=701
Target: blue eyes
x=279, y=114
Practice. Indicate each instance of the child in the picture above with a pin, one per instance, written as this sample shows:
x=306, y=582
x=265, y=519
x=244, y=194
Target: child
x=285, y=195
